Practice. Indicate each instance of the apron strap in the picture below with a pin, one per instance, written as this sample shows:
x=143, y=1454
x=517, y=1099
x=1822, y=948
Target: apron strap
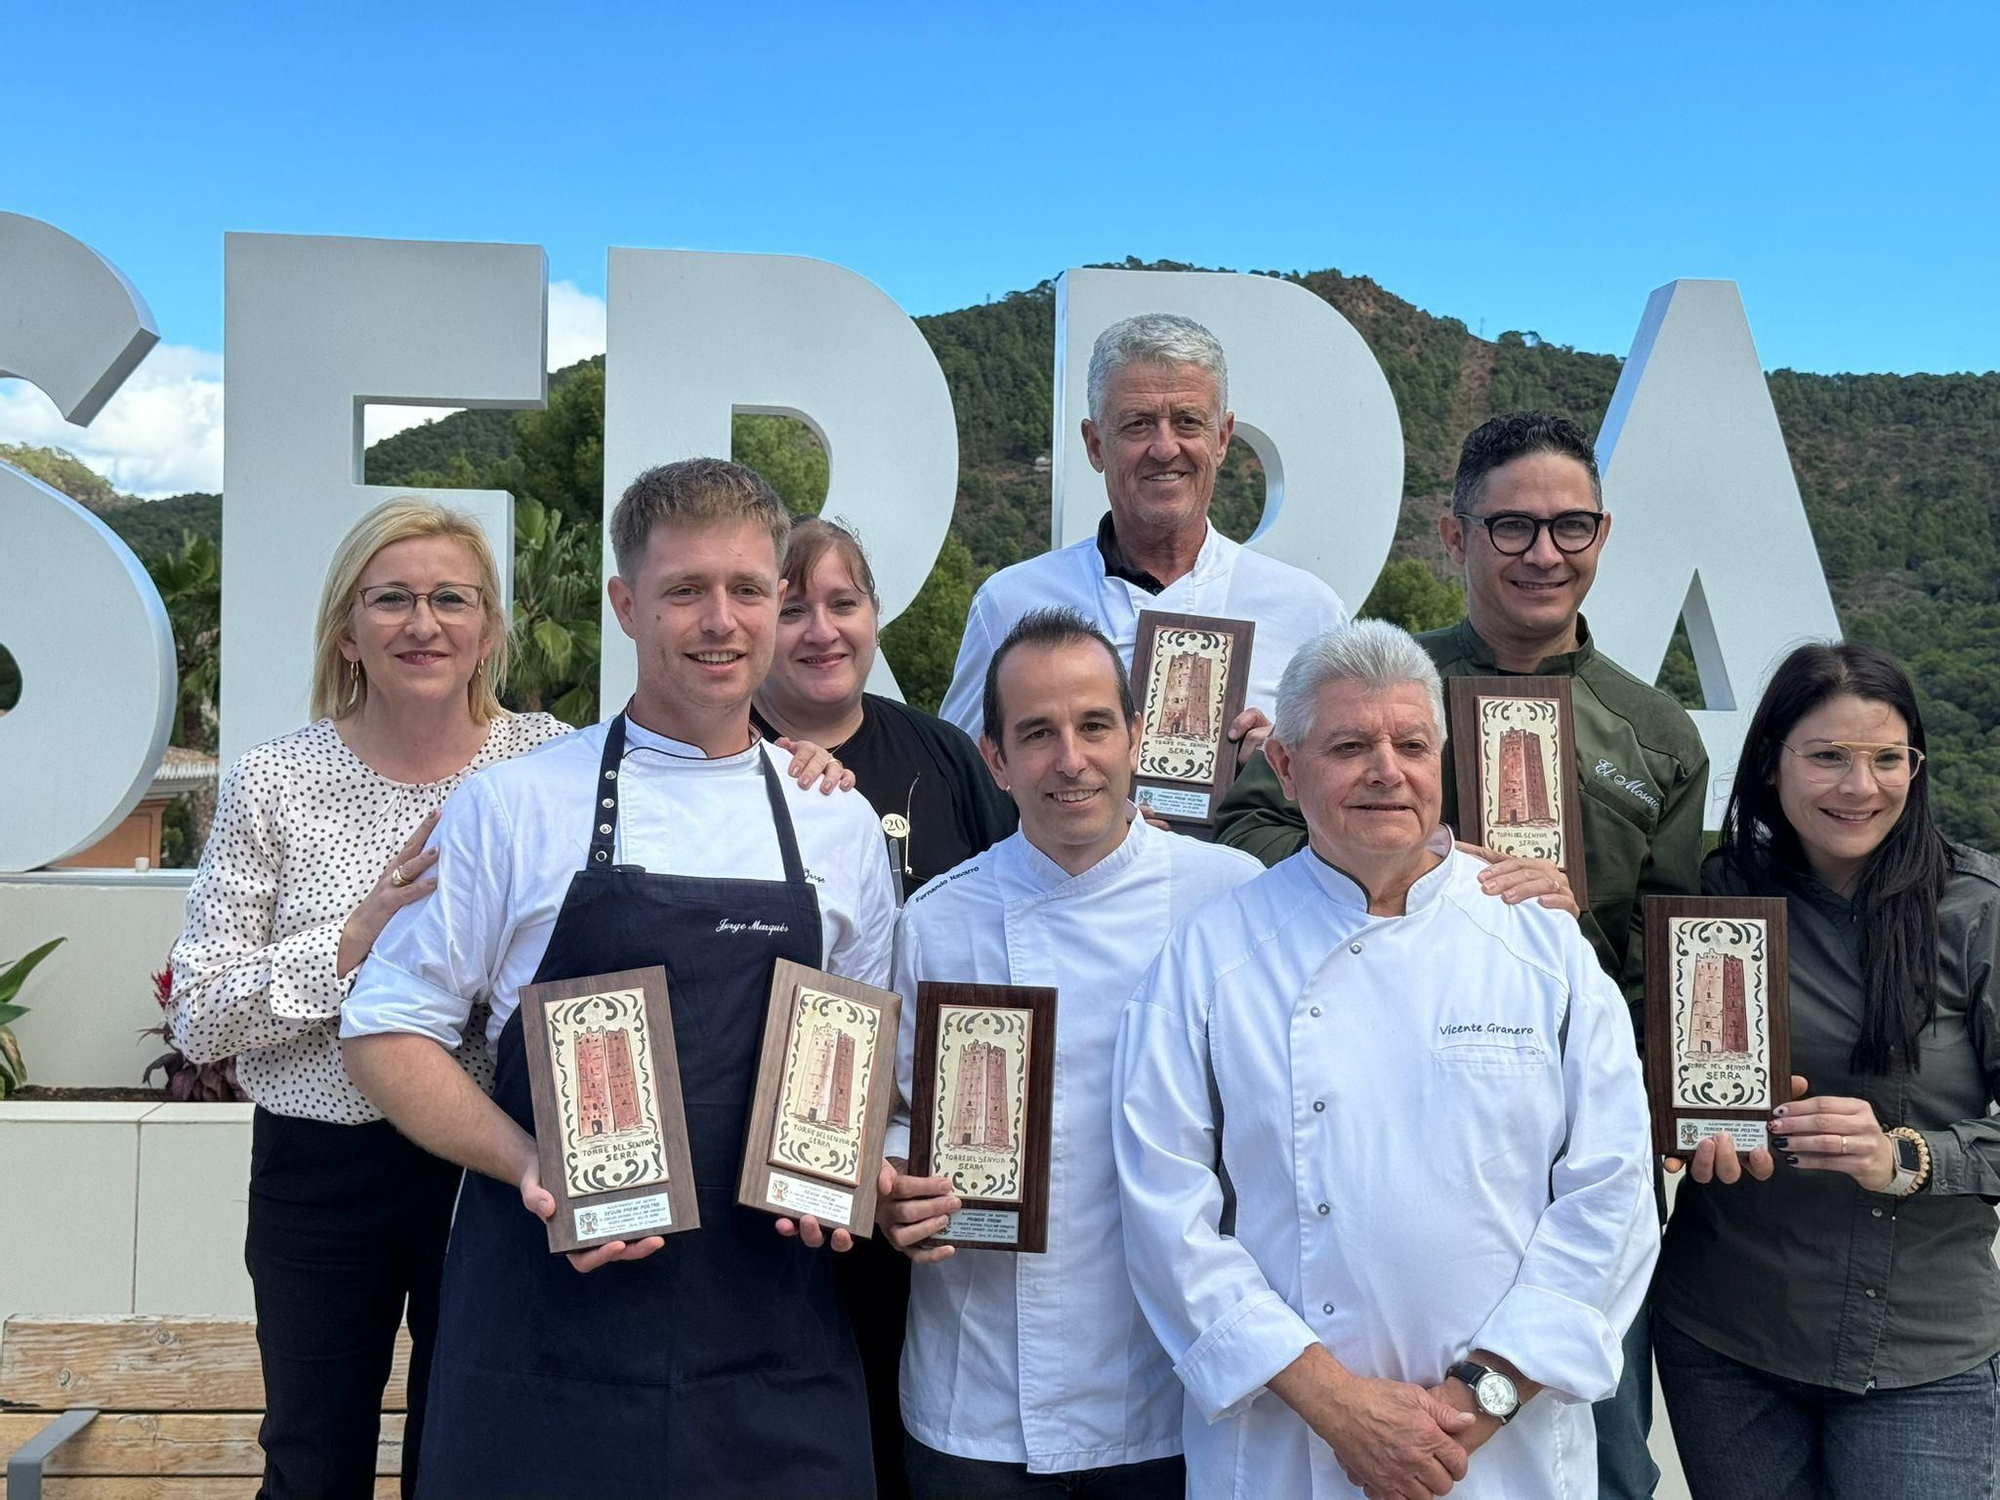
x=781, y=819
x=604, y=827
x=604, y=831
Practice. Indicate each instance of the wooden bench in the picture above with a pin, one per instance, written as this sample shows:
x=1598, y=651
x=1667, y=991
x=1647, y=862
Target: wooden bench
x=147, y=1408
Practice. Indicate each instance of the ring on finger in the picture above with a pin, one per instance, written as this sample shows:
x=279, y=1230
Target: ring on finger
x=1843, y=1145
x=397, y=878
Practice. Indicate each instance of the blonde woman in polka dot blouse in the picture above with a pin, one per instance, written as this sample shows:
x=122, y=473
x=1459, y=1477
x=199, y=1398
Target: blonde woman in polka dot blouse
x=318, y=840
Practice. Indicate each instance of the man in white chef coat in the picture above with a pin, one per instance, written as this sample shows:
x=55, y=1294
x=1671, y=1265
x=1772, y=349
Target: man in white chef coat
x=1381, y=1138
x=714, y=1363
x=1158, y=428
x=1020, y=1371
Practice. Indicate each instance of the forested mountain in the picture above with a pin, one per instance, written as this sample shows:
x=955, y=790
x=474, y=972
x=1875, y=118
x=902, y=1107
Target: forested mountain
x=1900, y=475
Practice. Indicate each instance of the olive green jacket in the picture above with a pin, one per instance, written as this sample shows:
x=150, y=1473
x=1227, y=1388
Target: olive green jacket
x=1640, y=764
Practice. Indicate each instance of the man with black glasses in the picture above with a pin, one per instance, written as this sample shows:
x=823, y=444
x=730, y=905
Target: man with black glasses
x=1526, y=526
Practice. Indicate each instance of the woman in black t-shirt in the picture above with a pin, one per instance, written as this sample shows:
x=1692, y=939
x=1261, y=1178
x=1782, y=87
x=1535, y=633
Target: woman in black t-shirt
x=923, y=777
x=938, y=807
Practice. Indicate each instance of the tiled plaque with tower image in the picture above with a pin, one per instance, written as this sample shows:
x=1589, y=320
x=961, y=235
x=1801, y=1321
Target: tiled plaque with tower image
x=1513, y=742
x=610, y=1132
x=1189, y=677
x=981, y=1107
x=825, y=1081
x=1718, y=1022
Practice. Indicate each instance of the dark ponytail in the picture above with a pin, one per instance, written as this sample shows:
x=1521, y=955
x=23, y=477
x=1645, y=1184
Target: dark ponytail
x=1904, y=879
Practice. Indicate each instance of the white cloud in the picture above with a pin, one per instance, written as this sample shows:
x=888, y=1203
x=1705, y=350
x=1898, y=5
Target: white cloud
x=162, y=433
x=576, y=324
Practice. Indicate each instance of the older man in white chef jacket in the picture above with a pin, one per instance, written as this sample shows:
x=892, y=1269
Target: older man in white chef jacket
x=1023, y=1370
x=1381, y=1138
x=1158, y=429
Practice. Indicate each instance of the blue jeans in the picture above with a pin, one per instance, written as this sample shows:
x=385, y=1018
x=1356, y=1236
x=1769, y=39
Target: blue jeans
x=1744, y=1432
x=945, y=1476
x=1624, y=1420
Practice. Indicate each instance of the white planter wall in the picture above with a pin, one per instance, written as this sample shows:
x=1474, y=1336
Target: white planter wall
x=123, y=1208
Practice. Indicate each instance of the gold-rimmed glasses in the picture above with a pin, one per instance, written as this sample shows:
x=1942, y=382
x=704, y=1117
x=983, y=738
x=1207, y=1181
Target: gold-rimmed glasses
x=1829, y=761
x=393, y=603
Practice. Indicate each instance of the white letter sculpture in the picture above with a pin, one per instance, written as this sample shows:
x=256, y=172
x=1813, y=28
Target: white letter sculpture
x=695, y=338
x=77, y=610
x=1709, y=525
x=1310, y=400
x=313, y=331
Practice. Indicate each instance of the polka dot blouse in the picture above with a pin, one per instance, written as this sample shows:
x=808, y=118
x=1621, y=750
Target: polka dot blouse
x=303, y=829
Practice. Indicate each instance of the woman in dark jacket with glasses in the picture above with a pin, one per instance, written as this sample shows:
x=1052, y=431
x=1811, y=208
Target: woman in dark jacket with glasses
x=1826, y=1323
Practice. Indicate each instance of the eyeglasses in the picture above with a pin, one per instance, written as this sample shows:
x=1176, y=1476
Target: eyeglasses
x=1513, y=532
x=392, y=604
x=1891, y=765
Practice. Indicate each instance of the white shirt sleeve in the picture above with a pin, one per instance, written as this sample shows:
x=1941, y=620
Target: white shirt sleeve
x=965, y=700
x=1591, y=1256
x=908, y=966
x=235, y=988
x=863, y=954
x=439, y=955
x=1209, y=1305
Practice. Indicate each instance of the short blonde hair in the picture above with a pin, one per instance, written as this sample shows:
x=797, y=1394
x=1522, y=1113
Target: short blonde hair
x=338, y=691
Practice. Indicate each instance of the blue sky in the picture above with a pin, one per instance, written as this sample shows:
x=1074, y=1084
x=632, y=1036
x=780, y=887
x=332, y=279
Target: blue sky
x=1528, y=166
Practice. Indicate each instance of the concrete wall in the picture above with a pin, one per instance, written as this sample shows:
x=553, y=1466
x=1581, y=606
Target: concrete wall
x=90, y=999
x=123, y=1208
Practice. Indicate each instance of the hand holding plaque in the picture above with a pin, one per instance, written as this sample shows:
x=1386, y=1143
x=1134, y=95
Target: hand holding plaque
x=984, y=1094
x=1189, y=675
x=1718, y=1025
x=824, y=1085
x=610, y=1133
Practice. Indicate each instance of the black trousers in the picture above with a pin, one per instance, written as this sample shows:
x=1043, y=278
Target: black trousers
x=347, y=1227
x=874, y=1280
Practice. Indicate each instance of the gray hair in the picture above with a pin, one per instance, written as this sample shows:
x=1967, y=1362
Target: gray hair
x=1155, y=339
x=1374, y=653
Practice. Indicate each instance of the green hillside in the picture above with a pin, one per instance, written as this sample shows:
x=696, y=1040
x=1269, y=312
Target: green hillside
x=1900, y=476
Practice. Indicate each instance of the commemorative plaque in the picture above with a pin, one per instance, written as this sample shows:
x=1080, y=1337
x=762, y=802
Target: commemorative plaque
x=1189, y=674
x=610, y=1131
x=1514, y=757
x=825, y=1081
x=984, y=1088
x=1718, y=1022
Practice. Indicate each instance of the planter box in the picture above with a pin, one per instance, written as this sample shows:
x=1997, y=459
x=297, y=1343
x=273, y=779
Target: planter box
x=123, y=1208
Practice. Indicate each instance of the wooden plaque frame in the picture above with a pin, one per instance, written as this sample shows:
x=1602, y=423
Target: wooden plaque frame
x=1187, y=798
x=789, y=1187
x=584, y=1219
x=1019, y=1222
x=1468, y=758
x=1676, y=1124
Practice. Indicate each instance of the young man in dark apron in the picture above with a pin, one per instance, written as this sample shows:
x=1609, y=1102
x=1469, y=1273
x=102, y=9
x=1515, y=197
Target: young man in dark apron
x=717, y=1362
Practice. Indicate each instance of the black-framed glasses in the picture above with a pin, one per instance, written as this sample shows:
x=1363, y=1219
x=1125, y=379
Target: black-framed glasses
x=392, y=603
x=1513, y=532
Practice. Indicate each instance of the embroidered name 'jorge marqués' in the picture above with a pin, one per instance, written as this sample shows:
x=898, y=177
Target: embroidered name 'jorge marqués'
x=725, y=925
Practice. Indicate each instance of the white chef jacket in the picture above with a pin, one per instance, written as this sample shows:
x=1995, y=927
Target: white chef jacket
x=1419, y=1157
x=1046, y=1359
x=1289, y=605
x=513, y=835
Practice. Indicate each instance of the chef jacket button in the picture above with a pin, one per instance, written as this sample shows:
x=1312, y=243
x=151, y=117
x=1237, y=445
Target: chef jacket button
x=608, y=802
x=1315, y=1010
x=1876, y=1212
x=1869, y=1292
x=1353, y=947
x=602, y=855
x=1326, y=1307
x=1319, y=1108
x=604, y=828
x=1324, y=1210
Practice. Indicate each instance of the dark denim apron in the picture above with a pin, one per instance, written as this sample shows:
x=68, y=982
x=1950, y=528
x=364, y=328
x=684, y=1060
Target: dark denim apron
x=721, y=1365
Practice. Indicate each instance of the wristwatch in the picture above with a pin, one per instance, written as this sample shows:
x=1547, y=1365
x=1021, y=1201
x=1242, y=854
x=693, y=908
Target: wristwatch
x=1493, y=1391
x=1913, y=1162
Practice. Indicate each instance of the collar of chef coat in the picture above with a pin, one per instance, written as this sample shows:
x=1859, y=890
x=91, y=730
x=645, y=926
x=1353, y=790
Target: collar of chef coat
x=1030, y=867
x=639, y=737
x=1343, y=889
